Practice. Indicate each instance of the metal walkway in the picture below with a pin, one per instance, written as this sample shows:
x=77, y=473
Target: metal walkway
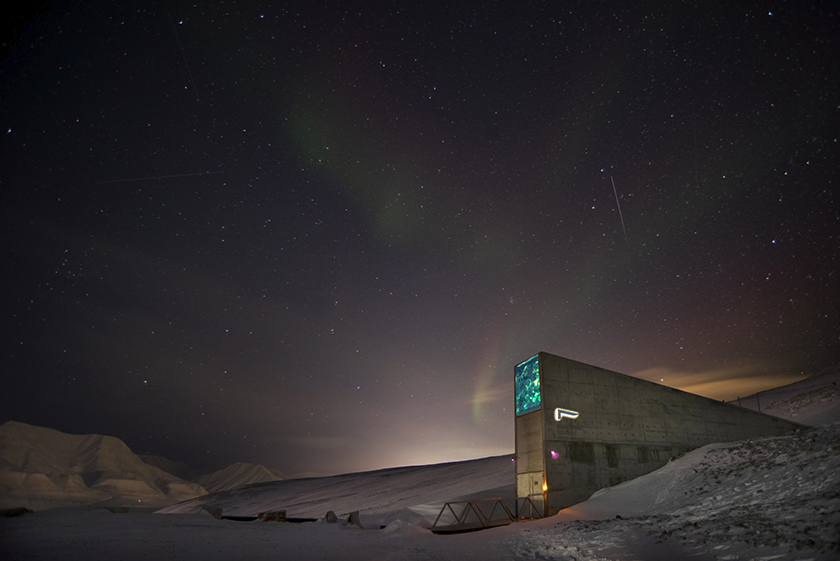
x=468, y=516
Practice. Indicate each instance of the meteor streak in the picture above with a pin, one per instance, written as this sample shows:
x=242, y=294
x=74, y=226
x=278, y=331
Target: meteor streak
x=619, y=210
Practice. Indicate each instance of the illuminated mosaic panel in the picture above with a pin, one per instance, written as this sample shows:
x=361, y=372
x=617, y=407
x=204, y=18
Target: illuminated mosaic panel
x=528, y=385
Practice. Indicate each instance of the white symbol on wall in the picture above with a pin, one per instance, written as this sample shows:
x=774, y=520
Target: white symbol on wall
x=568, y=413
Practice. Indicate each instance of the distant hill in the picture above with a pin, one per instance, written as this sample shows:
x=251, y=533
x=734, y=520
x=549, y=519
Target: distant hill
x=231, y=477
x=178, y=469
x=235, y=476
x=43, y=468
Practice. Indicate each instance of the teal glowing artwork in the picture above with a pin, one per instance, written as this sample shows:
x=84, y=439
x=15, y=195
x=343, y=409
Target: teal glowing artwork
x=528, y=385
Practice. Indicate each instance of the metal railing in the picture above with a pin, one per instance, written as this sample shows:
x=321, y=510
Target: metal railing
x=467, y=516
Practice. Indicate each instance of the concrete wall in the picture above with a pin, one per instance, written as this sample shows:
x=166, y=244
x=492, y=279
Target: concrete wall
x=627, y=427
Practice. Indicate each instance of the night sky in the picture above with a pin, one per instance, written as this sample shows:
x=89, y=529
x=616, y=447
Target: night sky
x=320, y=236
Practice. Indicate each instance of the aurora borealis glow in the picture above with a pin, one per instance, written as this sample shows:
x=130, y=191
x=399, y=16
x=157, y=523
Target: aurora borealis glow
x=321, y=237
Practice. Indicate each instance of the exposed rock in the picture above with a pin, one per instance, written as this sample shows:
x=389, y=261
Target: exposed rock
x=213, y=511
x=273, y=516
x=12, y=512
x=354, y=519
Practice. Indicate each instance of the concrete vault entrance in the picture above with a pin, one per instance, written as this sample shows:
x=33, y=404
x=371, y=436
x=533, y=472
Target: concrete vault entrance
x=580, y=428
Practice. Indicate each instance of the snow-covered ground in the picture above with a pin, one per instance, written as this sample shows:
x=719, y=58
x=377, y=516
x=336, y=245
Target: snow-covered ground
x=770, y=498
x=414, y=494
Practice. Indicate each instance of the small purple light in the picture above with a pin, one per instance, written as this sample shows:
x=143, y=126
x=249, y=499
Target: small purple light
x=554, y=455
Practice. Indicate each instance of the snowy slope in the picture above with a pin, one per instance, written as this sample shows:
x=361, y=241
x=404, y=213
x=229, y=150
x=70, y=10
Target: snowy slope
x=43, y=468
x=377, y=494
x=235, y=476
x=754, y=499
x=812, y=401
